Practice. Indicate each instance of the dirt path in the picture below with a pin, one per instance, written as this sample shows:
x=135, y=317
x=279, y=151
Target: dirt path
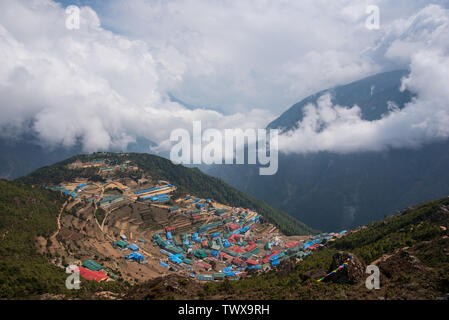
x=58, y=221
x=95, y=217
x=208, y=219
x=160, y=206
x=106, y=216
x=146, y=252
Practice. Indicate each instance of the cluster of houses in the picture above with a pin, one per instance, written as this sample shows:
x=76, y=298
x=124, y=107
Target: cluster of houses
x=226, y=242
x=229, y=248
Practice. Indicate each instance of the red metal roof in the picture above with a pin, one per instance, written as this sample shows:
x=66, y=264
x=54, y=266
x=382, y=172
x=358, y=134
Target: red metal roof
x=251, y=247
x=210, y=259
x=92, y=275
x=232, y=237
x=225, y=255
x=234, y=226
x=268, y=257
x=237, y=260
x=292, y=244
x=236, y=249
x=202, y=264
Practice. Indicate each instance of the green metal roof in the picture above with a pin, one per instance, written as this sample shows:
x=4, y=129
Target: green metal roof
x=92, y=265
x=119, y=243
x=218, y=275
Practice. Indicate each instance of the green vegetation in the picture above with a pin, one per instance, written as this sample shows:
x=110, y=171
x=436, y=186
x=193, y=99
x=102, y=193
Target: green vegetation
x=58, y=173
x=415, y=225
x=100, y=214
x=27, y=213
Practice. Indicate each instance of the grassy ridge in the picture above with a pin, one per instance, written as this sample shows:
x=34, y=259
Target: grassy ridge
x=422, y=223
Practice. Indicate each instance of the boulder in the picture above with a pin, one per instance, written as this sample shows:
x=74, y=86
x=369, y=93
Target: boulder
x=400, y=263
x=353, y=273
x=314, y=274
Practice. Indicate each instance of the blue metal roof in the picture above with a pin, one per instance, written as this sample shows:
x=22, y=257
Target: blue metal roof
x=157, y=188
x=133, y=247
x=135, y=255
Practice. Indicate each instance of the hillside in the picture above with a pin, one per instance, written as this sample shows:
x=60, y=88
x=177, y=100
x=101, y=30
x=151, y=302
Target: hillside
x=27, y=213
x=22, y=155
x=28, y=220
x=330, y=191
x=187, y=180
x=410, y=248
x=105, y=204
x=371, y=94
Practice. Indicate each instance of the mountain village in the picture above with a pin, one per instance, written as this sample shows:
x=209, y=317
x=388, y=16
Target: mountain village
x=138, y=229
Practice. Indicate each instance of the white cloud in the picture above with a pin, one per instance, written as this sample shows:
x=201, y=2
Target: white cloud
x=265, y=54
x=88, y=85
x=243, y=60
x=326, y=127
x=240, y=54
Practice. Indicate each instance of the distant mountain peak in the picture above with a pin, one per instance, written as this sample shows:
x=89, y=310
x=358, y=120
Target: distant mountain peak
x=374, y=95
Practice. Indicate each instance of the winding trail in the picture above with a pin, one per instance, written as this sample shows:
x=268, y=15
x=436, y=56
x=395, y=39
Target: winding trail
x=95, y=217
x=58, y=221
x=108, y=212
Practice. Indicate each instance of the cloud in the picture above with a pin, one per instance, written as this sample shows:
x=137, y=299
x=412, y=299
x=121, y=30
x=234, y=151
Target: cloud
x=264, y=54
x=328, y=127
x=242, y=62
x=240, y=54
x=89, y=85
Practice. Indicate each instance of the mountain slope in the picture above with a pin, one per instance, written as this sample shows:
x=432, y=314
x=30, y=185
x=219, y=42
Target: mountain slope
x=331, y=191
x=187, y=180
x=25, y=214
x=410, y=248
x=23, y=155
x=371, y=94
